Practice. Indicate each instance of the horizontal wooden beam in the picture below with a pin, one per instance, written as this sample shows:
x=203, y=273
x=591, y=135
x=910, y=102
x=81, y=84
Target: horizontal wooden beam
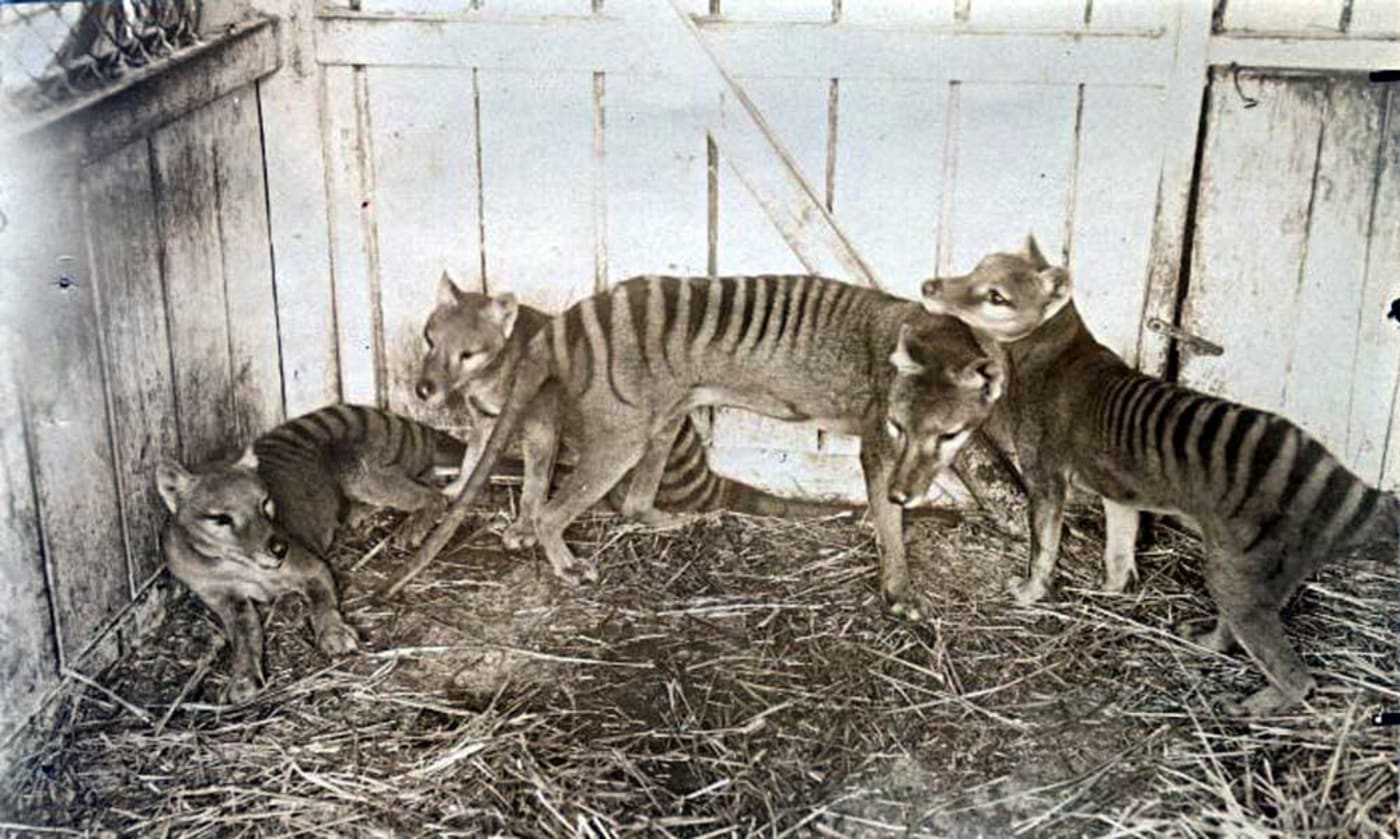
x=1348, y=55
x=615, y=44
x=147, y=99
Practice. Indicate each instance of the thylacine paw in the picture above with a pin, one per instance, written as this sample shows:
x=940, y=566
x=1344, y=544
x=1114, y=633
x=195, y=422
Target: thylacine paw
x=1025, y=591
x=338, y=638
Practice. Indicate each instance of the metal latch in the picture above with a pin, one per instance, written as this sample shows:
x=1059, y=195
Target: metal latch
x=1192, y=343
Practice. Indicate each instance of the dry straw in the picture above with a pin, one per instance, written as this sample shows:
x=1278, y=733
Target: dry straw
x=737, y=677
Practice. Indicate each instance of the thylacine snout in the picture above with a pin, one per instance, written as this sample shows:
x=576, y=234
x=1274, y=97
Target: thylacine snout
x=929, y=418
x=1006, y=296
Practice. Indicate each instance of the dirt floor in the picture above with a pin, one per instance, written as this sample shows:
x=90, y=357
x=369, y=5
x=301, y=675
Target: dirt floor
x=736, y=677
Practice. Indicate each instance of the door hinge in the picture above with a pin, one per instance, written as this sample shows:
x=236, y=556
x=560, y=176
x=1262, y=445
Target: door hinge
x=1189, y=342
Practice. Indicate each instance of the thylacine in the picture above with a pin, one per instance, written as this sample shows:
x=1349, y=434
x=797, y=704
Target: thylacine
x=1270, y=501
x=472, y=344
x=341, y=459
x=247, y=532
x=628, y=364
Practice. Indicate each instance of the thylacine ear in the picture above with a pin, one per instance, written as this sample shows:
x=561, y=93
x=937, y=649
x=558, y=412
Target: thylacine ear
x=247, y=460
x=986, y=375
x=903, y=362
x=1057, y=285
x=1031, y=253
x=172, y=482
x=504, y=309
x=448, y=292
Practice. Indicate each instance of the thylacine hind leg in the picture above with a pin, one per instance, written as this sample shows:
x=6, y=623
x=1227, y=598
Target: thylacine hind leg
x=388, y=486
x=599, y=469
x=640, y=503
x=1250, y=590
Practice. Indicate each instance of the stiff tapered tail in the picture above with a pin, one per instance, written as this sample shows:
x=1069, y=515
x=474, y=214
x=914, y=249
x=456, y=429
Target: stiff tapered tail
x=535, y=368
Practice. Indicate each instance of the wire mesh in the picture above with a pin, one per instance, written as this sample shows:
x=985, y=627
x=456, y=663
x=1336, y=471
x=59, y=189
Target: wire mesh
x=52, y=52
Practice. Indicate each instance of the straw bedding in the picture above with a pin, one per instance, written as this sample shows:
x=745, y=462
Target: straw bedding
x=735, y=677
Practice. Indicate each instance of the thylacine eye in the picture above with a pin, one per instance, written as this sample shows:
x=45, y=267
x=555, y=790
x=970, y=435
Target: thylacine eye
x=950, y=436
x=221, y=519
x=996, y=298
x=269, y=508
x=464, y=356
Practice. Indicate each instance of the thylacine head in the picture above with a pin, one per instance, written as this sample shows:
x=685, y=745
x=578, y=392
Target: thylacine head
x=933, y=406
x=465, y=335
x=224, y=512
x=1007, y=296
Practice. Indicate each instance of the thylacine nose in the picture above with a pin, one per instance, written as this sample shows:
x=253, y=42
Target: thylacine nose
x=932, y=287
x=277, y=546
x=425, y=389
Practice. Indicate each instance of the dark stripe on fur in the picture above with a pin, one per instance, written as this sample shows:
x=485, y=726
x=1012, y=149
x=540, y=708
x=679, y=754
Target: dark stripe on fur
x=1264, y=456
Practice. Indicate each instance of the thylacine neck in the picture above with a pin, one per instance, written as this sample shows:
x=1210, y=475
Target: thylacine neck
x=528, y=321
x=1062, y=335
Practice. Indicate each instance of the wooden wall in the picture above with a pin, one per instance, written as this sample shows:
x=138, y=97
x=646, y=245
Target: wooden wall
x=139, y=323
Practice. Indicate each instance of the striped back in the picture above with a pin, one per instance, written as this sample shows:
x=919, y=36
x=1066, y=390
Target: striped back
x=1254, y=472
x=300, y=461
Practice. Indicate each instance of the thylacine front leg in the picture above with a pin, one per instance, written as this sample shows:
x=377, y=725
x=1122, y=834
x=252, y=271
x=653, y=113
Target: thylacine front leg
x=312, y=577
x=888, y=519
x=1046, y=488
x=539, y=445
x=243, y=628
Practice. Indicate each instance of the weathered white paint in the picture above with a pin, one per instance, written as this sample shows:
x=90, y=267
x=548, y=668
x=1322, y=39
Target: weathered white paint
x=291, y=107
x=787, y=11
x=1376, y=363
x=1042, y=14
x=426, y=209
x=1308, y=17
x=1374, y=18
x=1352, y=54
x=1120, y=156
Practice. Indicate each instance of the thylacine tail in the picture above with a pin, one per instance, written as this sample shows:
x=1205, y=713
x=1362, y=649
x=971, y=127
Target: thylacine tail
x=535, y=368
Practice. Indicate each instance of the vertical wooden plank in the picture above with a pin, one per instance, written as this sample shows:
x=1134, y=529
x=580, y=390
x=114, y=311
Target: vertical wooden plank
x=796, y=111
x=1115, y=197
x=351, y=205
x=28, y=655
x=121, y=217
x=889, y=176
x=196, y=305
x=656, y=195
x=1251, y=230
x=1295, y=16
x=64, y=402
x=1015, y=153
x=536, y=159
x=291, y=104
x=1374, y=18
x=247, y=266
x=425, y=197
x=1324, y=332
x=1181, y=119
x=1018, y=14
x=1375, y=372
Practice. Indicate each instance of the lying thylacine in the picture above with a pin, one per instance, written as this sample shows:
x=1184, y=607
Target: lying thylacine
x=247, y=532
x=1269, y=500
x=628, y=365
